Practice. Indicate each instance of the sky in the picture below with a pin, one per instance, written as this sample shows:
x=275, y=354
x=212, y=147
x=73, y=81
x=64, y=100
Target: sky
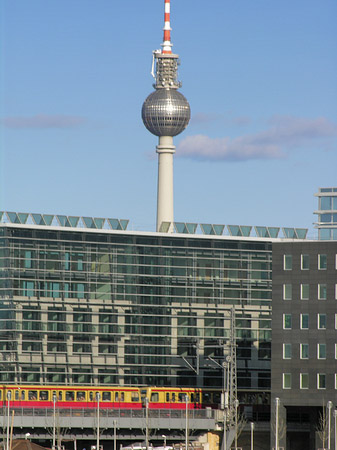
x=260, y=76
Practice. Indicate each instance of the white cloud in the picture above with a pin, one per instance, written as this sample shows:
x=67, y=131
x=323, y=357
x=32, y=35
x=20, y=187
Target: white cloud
x=43, y=121
x=285, y=133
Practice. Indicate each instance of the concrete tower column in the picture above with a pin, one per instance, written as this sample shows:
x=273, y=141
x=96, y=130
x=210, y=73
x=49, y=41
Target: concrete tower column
x=165, y=150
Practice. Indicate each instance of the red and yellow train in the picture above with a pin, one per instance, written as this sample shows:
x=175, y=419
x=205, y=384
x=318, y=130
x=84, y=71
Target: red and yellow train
x=36, y=396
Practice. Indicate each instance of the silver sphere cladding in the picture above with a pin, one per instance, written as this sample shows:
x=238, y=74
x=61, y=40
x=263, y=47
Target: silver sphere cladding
x=166, y=112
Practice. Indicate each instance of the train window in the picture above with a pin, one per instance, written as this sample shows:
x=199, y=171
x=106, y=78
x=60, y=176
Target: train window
x=43, y=395
x=91, y=396
x=122, y=396
x=216, y=397
x=197, y=397
x=154, y=397
x=70, y=396
x=0, y=395
x=134, y=397
x=23, y=395
x=32, y=395
x=167, y=396
x=60, y=396
x=207, y=397
x=192, y=398
x=80, y=396
x=173, y=397
x=181, y=396
x=106, y=396
x=16, y=395
x=116, y=396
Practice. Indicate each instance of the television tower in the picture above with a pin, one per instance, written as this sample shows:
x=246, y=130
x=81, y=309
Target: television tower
x=165, y=113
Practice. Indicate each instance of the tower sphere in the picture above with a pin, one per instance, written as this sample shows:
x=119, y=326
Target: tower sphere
x=166, y=112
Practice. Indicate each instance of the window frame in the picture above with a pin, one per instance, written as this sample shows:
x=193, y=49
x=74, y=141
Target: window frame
x=320, y=259
x=289, y=346
x=319, y=296
x=302, y=316
x=318, y=381
x=284, y=384
x=287, y=286
x=319, y=316
x=286, y=259
x=285, y=315
x=301, y=350
x=301, y=380
x=320, y=347
x=302, y=260
x=301, y=291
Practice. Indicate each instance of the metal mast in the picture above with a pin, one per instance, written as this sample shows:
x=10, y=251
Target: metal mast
x=165, y=113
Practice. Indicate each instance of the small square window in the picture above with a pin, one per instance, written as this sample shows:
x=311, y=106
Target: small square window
x=286, y=351
x=304, y=351
x=321, y=381
x=287, y=291
x=304, y=381
x=304, y=292
x=321, y=351
x=322, y=292
x=321, y=321
x=287, y=321
x=322, y=262
x=287, y=262
x=304, y=321
x=305, y=262
x=287, y=381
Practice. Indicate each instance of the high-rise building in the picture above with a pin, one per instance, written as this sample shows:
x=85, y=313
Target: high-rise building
x=327, y=214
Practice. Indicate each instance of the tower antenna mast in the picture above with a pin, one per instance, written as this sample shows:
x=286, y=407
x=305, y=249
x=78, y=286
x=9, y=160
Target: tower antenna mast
x=165, y=113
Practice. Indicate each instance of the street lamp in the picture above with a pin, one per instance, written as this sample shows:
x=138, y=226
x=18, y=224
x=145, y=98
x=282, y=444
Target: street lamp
x=277, y=404
x=251, y=435
x=115, y=432
x=9, y=395
x=186, y=431
x=98, y=431
x=329, y=406
x=54, y=421
x=335, y=417
x=164, y=437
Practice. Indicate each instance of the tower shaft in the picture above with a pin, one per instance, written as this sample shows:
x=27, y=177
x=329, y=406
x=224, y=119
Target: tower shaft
x=165, y=150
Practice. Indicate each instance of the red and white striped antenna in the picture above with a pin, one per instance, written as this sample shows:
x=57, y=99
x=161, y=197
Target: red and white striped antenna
x=167, y=45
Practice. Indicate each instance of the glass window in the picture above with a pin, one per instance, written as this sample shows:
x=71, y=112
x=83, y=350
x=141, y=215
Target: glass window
x=335, y=321
x=304, y=381
x=287, y=381
x=304, y=291
x=325, y=218
x=322, y=262
x=288, y=262
x=287, y=321
x=321, y=351
x=305, y=262
x=325, y=203
x=334, y=202
x=287, y=291
x=335, y=351
x=321, y=321
x=304, y=351
x=304, y=321
x=335, y=291
x=322, y=292
x=321, y=381
x=335, y=380
x=286, y=351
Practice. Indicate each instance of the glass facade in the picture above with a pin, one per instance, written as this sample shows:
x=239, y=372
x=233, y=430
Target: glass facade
x=327, y=214
x=105, y=307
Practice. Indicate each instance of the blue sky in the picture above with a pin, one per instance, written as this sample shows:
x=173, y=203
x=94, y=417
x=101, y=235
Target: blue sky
x=260, y=76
